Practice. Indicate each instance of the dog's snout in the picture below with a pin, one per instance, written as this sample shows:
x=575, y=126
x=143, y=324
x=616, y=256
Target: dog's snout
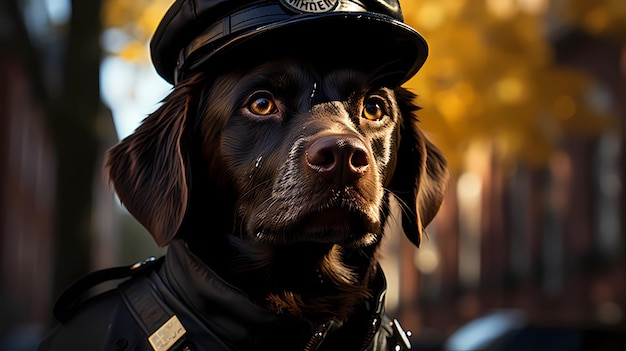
x=341, y=158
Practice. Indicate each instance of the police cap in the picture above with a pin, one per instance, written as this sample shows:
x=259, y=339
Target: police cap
x=368, y=34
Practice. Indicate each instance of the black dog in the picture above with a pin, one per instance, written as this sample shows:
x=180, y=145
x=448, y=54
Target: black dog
x=272, y=179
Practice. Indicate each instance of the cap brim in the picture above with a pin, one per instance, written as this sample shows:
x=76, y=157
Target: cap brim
x=375, y=43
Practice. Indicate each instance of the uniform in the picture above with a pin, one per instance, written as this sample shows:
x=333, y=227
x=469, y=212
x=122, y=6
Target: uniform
x=177, y=303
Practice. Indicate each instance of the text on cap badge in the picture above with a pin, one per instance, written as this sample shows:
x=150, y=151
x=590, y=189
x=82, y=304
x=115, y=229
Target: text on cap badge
x=311, y=6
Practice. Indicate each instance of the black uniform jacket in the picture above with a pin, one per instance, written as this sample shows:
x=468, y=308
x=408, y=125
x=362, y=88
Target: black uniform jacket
x=177, y=303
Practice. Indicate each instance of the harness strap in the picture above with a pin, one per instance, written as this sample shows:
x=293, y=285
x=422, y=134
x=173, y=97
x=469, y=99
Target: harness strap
x=161, y=326
x=69, y=302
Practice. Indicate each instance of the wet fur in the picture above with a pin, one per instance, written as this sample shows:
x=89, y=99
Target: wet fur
x=237, y=190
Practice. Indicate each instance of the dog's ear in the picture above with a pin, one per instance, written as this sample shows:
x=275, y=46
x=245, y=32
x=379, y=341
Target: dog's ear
x=149, y=168
x=421, y=174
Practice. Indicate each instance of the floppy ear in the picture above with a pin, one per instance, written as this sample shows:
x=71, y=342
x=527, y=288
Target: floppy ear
x=149, y=168
x=421, y=173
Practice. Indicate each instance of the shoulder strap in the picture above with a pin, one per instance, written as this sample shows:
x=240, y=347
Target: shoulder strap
x=161, y=326
x=72, y=297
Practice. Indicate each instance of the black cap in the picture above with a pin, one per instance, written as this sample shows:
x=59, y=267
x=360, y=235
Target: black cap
x=369, y=34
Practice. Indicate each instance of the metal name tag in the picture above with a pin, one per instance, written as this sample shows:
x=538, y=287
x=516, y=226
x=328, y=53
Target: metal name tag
x=167, y=335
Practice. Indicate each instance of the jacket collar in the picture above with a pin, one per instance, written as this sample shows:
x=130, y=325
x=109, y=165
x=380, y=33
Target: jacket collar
x=228, y=312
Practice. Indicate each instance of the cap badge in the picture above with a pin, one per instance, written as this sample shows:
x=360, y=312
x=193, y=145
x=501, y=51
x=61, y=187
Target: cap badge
x=310, y=6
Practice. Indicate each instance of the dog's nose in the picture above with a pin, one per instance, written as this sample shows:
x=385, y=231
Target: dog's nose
x=340, y=158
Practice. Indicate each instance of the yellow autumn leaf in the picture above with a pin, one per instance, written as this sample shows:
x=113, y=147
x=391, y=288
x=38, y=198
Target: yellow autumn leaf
x=134, y=51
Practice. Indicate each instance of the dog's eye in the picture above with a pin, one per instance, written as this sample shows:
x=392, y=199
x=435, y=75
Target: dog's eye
x=262, y=103
x=373, y=108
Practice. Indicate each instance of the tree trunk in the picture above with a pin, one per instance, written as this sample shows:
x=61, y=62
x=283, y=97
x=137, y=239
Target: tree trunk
x=73, y=125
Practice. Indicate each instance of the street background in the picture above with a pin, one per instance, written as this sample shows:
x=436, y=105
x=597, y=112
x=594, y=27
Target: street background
x=526, y=98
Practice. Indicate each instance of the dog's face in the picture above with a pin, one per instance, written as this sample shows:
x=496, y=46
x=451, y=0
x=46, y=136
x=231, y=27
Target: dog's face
x=291, y=167
x=308, y=154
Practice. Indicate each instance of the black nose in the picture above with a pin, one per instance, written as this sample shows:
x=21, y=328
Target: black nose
x=342, y=159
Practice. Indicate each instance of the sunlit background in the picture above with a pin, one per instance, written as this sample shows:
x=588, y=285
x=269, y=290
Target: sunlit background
x=526, y=98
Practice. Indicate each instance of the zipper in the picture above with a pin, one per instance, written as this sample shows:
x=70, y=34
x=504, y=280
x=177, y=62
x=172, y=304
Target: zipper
x=316, y=339
x=372, y=330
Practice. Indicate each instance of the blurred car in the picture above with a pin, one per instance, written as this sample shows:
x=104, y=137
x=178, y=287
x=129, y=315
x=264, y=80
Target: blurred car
x=511, y=330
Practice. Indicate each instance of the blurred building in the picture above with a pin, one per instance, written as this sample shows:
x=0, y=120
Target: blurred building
x=26, y=201
x=546, y=240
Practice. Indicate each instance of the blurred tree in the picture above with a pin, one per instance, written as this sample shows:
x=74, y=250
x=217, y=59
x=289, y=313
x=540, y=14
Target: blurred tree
x=74, y=120
x=68, y=89
x=491, y=79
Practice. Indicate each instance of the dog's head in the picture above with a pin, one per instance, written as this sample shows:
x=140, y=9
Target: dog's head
x=288, y=157
x=289, y=153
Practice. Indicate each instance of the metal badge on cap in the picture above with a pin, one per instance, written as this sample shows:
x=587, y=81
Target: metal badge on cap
x=310, y=6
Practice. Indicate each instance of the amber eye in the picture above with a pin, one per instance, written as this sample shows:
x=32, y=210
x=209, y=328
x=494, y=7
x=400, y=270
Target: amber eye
x=373, y=108
x=262, y=103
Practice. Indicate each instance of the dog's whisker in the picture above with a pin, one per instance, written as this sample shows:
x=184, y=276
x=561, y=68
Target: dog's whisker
x=404, y=207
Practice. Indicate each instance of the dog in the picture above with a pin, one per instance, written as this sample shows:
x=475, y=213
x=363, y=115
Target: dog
x=272, y=174
x=280, y=178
